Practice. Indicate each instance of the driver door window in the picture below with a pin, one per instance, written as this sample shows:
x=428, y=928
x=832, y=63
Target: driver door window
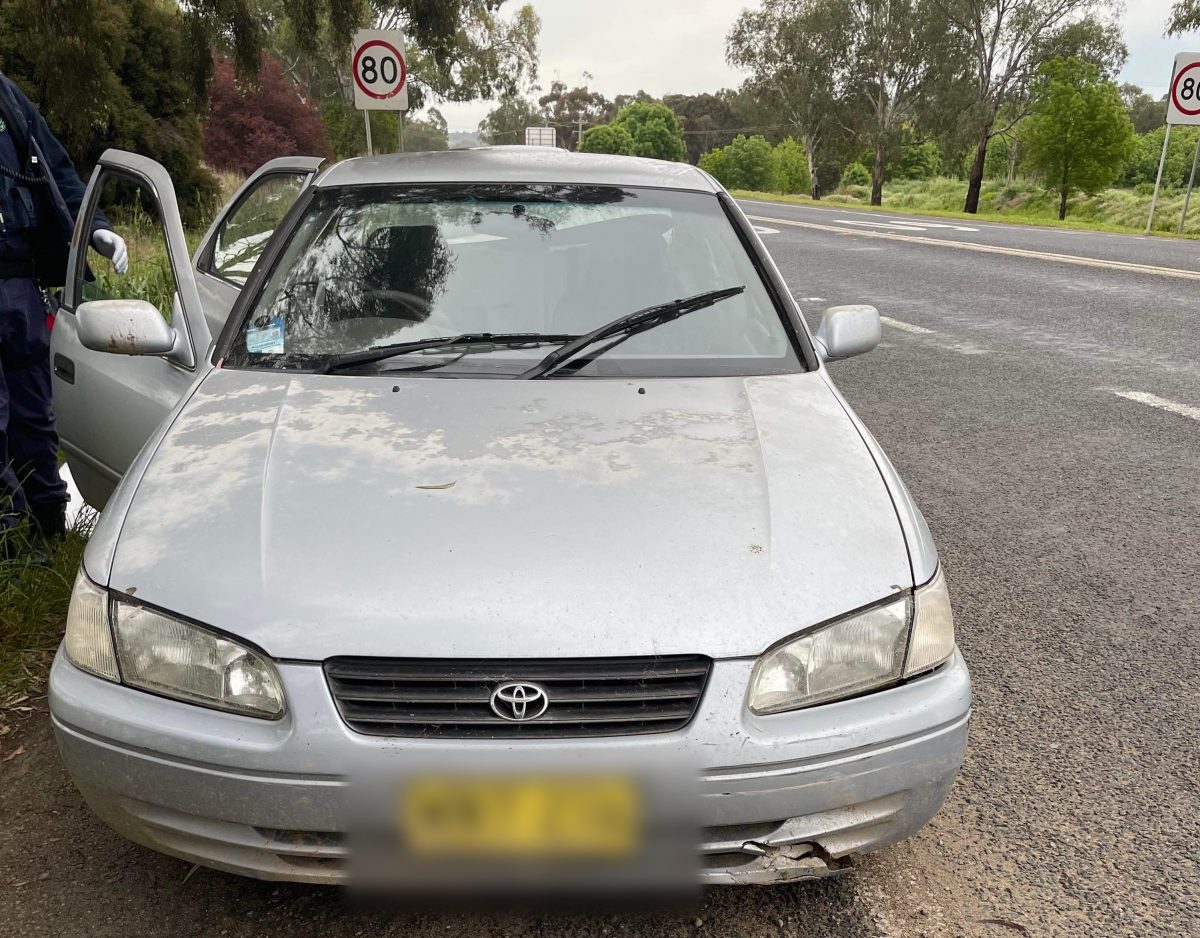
x=133, y=211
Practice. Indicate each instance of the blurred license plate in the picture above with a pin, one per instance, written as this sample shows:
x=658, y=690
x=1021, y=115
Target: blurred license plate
x=525, y=817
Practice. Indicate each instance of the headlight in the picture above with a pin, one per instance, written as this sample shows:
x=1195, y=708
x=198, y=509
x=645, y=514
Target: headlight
x=932, y=639
x=88, y=642
x=859, y=653
x=164, y=655
x=167, y=656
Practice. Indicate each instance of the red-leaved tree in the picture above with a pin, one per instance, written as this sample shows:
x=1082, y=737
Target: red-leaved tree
x=248, y=124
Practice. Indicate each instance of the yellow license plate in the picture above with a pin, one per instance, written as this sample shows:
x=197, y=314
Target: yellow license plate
x=521, y=817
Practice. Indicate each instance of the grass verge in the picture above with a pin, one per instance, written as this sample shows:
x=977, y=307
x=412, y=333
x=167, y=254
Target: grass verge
x=33, y=608
x=1121, y=211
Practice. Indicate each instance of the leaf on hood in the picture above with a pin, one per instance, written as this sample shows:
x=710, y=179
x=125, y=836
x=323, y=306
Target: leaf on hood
x=443, y=485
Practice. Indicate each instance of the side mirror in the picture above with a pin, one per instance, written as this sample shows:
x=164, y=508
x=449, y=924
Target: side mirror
x=126, y=327
x=846, y=331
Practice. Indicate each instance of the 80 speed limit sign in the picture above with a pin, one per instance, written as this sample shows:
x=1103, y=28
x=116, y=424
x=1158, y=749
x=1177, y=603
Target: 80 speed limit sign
x=379, y=70
x=1183, y=100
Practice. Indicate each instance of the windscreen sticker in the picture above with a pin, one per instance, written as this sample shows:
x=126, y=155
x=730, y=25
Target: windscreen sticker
x=264, y=336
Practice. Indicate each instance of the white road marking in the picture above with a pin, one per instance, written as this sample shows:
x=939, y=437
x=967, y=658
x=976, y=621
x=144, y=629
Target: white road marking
x=762, y=230
x=905, y=326
x=993, y=249
x=905, y=225
x=891, y=225
x=1153, y=400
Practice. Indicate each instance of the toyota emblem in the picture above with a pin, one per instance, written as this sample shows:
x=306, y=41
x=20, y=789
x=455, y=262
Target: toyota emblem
x=519, y=701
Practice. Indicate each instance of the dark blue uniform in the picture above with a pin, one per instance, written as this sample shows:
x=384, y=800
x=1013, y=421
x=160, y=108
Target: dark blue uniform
x=40, y=194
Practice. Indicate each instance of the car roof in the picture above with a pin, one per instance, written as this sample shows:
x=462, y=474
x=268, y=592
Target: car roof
x=516, y=164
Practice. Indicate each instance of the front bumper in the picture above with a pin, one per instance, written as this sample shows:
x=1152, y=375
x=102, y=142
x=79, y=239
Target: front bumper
x=781, y=797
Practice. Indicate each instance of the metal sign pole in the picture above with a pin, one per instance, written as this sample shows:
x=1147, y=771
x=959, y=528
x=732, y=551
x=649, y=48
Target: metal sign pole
x=1191, y=182
x=1158, y=182
x=371, y=150
x=400, y=124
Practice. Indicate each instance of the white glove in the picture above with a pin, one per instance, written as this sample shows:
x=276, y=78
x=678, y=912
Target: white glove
x=112, y=246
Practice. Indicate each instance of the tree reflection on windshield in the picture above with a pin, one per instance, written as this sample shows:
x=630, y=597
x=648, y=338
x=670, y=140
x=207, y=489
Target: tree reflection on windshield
x=379, y=265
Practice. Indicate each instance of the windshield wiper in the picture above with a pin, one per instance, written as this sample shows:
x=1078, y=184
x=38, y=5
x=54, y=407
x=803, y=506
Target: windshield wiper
x=466, y=343
x=626, y=327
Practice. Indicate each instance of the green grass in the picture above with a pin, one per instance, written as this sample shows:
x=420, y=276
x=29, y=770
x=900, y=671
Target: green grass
x=1117, y=210
x=33, y=608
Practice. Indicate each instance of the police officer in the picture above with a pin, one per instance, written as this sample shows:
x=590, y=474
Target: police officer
x=40, y=195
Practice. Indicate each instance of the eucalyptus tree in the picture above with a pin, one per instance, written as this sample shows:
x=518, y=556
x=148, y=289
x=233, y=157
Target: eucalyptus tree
x=895, y=50
x=1185, y=16
x=476, y=53
x=1005, y=44
x=796, y=52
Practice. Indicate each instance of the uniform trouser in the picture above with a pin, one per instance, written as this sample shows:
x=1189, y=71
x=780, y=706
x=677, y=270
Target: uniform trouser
x=29, y=481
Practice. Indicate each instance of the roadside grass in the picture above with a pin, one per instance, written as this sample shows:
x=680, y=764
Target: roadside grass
x=1115, y=210
x=33, y=609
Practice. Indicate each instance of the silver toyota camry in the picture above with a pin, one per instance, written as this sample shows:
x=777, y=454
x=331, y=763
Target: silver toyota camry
x=463, y=499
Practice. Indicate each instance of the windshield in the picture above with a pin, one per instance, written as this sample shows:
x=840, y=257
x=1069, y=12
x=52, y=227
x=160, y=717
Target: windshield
x=376, y=266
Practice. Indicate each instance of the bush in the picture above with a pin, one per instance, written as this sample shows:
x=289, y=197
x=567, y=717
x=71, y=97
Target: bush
x=607, y=138
x=1142, y=167
x=791, y=163
x=921, y=161
x=248, y=125
x=855, y=175
x=747, y=163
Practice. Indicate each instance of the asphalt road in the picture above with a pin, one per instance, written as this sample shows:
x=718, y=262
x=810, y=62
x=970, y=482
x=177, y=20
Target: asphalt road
x=1046, y=415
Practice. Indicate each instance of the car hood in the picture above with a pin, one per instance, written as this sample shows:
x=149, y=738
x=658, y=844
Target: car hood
x=335, y=515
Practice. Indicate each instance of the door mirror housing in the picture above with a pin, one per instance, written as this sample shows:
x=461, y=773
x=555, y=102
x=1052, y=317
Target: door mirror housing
x=846, y=331
x=124, y=327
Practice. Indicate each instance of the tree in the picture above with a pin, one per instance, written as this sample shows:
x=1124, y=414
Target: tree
x=1078, y=135
x=794, y=51
x=106, y=74
x=707, y=120
x=348, y=137
x=792, y=166
x=249, y=123
x=1144, y=111
x=1185, y=16
x=895, y=48
x=1006, y=43
x=567, y=109
x=607, y=138
x=506, y=122
x=456, y=47
x=654, y=129
x=747, y=163
x=472, y=53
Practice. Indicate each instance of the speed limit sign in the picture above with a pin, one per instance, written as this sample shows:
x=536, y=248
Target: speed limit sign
x=379, y=70
x=1183, y=100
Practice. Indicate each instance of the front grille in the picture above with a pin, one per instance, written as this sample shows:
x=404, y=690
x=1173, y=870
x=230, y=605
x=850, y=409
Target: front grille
x=432, y=697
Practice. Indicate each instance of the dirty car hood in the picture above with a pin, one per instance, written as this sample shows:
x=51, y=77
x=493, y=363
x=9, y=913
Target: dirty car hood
x=328, y=515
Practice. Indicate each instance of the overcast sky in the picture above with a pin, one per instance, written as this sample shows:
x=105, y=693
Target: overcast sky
x=678, y=46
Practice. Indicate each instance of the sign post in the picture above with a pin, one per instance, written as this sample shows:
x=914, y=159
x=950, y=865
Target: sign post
x=380, y=74
x=1183, y=107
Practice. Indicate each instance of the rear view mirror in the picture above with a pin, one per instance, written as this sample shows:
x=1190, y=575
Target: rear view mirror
x=126, y=327
x=846, y=331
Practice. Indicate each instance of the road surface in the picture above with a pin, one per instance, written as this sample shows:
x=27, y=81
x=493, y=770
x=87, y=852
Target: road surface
x=1046, y=415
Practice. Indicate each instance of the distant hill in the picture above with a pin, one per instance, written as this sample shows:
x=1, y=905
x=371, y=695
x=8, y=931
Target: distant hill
x=463, y=138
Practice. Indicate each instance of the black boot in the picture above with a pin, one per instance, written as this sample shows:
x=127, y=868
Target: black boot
x=50, y=520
